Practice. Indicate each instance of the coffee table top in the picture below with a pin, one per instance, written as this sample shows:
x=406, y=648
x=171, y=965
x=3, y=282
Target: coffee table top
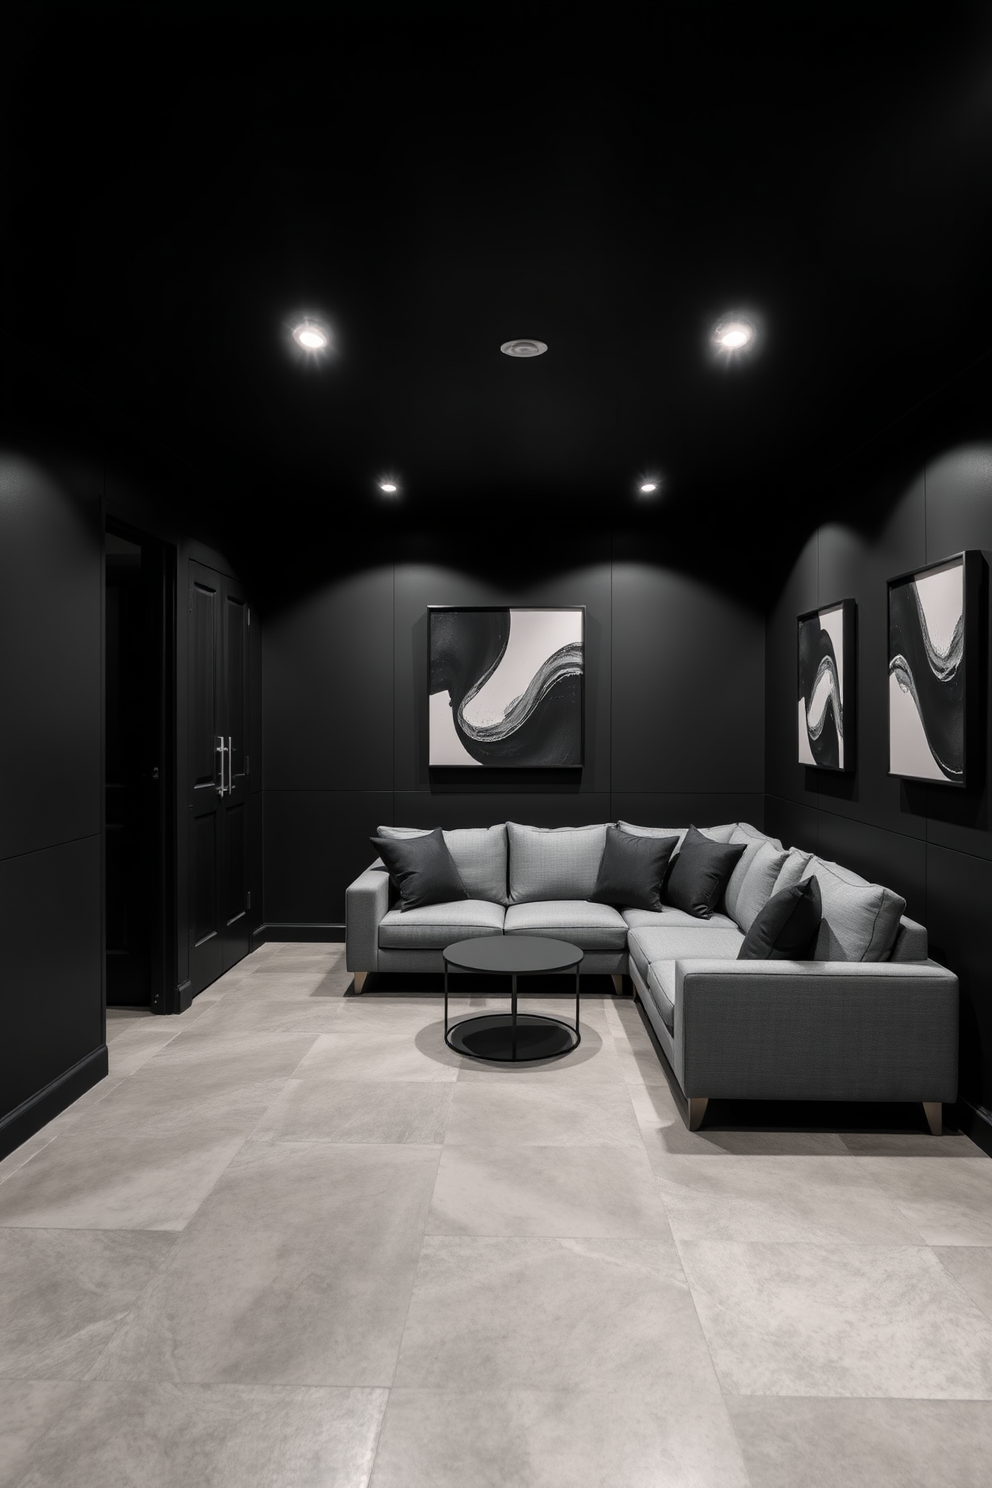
x=513, y=953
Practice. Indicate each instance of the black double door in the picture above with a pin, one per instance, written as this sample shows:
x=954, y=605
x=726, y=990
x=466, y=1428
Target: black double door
x=219, y=764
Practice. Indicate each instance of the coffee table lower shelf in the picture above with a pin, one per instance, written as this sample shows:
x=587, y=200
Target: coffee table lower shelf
x=512, y=1037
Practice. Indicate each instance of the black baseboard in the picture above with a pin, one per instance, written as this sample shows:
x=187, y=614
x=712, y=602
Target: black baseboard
x=276, y=930
x=976, y=1123
x=40, y=1109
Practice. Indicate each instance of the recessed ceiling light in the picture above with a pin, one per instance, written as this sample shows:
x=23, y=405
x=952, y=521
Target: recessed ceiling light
x=523, y=348
x=389, y=486
x=734, y=333
x=646, y=487
x=310, y=336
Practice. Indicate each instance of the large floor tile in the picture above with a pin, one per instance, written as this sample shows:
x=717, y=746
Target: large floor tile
x=299, y=1270
x=549, y=1314
x=950, y=1202
x=28, y=1410
x=119, y=1180
x=678, y=1437
x=222, y=1436
x=546, y=1114
x=562, y=1191
x=864, y=1443
x=971, y=1267
x=911, y=1144
x=661, y=1123
x=838, y=1320
x=368, y=1053
x=817, y=1199
x=323, y=1108
x=65, y=1293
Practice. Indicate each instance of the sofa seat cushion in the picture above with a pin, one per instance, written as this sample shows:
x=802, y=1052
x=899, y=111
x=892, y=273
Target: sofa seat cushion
x=681, y=944
x=549, y=863
x=592, y=927
x=435, y=926
x=645, y=919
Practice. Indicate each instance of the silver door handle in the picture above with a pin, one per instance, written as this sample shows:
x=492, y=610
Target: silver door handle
x=230, y=766
x=221, y=750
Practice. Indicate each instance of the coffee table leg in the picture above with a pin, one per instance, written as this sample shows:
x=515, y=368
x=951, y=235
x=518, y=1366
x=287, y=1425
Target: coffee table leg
x=513, y=1050
x=576, y=1002
x=446, y=999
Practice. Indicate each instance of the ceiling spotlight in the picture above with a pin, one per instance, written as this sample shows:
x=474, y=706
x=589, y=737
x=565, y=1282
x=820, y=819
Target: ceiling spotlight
x=310, y=336
x=523, y=348
x=389, y=486
x=646, y=487
x=734, y=333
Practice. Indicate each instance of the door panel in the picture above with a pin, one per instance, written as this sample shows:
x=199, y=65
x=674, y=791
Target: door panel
x=218, y=722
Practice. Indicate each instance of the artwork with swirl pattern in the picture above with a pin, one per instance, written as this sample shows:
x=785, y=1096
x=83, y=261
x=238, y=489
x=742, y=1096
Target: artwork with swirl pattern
x=928, y=672
x=826, y=687
x=506, y=686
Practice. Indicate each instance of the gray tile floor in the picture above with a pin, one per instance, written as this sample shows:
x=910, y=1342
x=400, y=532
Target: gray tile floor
x=293, y=1240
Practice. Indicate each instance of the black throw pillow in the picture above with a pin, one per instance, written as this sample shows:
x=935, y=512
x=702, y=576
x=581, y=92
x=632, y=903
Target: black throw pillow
x=699, y=873
x=632, y=869
x=786, y=928
x=421, y=868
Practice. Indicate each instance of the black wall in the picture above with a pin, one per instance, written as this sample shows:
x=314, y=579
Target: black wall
x=674, y=698
x=920, y=493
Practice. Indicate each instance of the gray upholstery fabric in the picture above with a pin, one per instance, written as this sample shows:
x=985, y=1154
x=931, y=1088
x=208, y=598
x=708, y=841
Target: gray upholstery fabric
x=592, y=927
x=478, y=853
x=799, y=1030
x=759, y=881
x=754, y=841
x=668, y=917
x=860, y=920
x=433, y=926
x=716, y=834
x=553, y=862
x=660, y=978
x=793, y=870
x=675, y=944
x=910, y=943
x=365, y=903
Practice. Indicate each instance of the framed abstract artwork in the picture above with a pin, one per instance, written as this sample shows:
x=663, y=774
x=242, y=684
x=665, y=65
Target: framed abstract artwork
x=827, y=686
x=506, y=686
x=932, y=633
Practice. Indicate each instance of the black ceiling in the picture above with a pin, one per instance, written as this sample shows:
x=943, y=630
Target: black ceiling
x=437, y=180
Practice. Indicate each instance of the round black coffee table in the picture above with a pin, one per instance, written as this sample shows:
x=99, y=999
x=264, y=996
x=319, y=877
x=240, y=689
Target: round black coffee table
x=512, y=1037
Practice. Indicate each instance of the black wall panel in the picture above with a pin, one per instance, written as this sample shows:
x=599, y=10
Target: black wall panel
x=701, y=809
x=51, y=585
x=316, y=842
x=916, y=497
x=51, y=931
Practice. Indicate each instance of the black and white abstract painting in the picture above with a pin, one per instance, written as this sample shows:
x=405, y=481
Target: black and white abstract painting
x=927, y=672
x=826, y=687
x=506, y=686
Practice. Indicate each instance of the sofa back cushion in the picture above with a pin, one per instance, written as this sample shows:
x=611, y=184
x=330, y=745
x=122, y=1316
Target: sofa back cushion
x=478, y=853
x=553, y=862
x=752, y=882
x=699, y=873
x=860, y=920
x=795, y=868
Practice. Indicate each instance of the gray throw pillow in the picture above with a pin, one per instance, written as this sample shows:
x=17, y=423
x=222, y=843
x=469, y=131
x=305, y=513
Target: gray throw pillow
x=553, y=862
x=632, y=870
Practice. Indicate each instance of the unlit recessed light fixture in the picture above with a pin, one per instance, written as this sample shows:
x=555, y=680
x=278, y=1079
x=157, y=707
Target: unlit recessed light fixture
x=523, y=348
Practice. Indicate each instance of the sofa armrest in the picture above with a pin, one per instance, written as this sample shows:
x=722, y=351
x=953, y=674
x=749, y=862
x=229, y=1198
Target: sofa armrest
x=818, y=1030
x=365, y=902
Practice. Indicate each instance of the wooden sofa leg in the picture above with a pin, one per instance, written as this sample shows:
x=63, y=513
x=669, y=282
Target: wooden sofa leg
x=360, y=980
x=697, y=1110
x=617, y=979
x=934, y=1112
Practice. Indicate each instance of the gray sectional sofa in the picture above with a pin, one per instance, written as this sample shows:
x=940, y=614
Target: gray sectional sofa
x=869, y=1018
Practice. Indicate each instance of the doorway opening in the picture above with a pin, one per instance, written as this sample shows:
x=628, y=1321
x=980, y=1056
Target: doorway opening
x=140, y=776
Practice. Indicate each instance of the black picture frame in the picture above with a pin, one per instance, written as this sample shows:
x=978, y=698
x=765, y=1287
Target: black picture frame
x=932, y=672
x=827, y=686
x=507, y=659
